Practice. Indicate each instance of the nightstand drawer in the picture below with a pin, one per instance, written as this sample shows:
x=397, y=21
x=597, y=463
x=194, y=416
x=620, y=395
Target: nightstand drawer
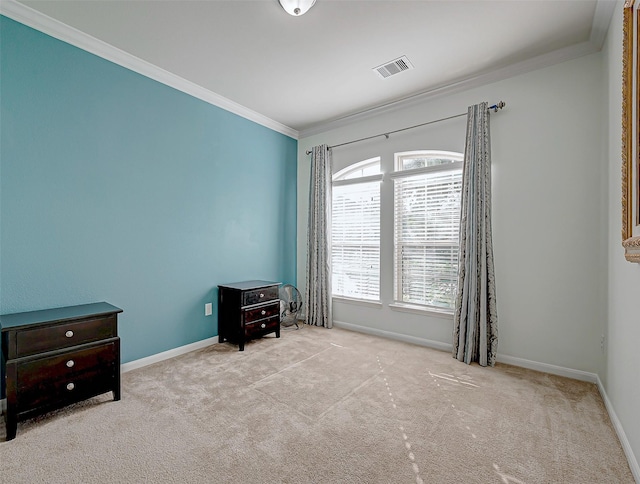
x=261, y=312
x=39, y=340
x=64, y=376
x=259, y=295
x=262, y=327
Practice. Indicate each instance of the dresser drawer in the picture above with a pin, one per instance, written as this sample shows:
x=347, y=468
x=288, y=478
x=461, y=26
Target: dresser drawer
x=259, y=295
x=39, y=340
x=65, y=376
x=262, y=327
x=261, y=312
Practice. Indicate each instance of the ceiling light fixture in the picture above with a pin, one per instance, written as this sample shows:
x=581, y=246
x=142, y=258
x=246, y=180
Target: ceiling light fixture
x=296, y=7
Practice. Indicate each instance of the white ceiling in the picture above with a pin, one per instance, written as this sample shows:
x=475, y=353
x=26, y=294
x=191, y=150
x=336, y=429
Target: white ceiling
x=305, y=72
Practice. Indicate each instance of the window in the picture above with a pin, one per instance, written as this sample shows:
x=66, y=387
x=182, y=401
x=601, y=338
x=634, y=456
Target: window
x=361, y=169
x=427, y=189
x=355, y=231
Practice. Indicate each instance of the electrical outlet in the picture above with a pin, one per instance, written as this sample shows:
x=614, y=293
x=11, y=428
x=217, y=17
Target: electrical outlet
x=602, y=339
x=208, y=309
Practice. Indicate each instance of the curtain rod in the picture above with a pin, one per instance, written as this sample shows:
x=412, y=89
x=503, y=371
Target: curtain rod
x=495, y=108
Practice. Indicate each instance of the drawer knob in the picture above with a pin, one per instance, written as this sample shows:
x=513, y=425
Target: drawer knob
x=261, y=295
x=263, y=312
x=69, y=334
x=70, y=386
x=70, y=363
x=263, y=325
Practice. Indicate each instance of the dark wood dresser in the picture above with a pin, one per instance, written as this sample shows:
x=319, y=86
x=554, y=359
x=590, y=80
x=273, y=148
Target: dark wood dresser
x=56, y=357
x=248, y=310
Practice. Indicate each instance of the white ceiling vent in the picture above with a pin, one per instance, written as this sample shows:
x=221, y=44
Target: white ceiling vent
x=394, y=67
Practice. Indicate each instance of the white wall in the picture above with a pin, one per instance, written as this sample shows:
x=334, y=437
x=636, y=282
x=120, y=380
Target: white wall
x=549, y=217
x=622, y=377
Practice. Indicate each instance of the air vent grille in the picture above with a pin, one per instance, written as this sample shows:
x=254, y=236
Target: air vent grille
x=394, y=67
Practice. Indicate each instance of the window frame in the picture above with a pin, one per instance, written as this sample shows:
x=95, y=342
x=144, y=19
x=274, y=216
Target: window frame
x=339, y=180
x=400, y=173
x=340, y=176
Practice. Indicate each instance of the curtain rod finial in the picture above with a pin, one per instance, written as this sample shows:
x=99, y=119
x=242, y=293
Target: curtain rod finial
x=497, y=106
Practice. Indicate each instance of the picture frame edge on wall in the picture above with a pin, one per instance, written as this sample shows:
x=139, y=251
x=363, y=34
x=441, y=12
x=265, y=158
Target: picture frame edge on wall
x=630, y=131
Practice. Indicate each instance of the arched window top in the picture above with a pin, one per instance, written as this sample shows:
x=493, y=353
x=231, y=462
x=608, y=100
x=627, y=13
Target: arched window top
x=359, y=170
x=411, y=160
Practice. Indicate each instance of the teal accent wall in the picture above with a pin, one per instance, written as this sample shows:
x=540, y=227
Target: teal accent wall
x=117, y=188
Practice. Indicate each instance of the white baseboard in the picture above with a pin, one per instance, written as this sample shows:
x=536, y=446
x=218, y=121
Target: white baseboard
x=521, y=362
x=510, y=360
x=391, y=335
x=617, y=425
x=149, y=360
x=547, y=368
x=165, y=355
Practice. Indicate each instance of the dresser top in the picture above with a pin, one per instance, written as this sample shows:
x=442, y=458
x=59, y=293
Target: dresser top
x=249, y=285
x=12, y=321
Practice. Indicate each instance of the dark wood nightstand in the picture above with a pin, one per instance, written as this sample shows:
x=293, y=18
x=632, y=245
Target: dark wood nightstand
x=56, y=357
x=248, y=310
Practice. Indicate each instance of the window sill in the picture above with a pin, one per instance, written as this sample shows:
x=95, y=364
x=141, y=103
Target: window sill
x=357, y=302
x=411, y=308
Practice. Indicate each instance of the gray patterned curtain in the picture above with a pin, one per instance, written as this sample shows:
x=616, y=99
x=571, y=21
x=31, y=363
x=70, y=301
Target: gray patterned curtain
x=475, y=332
x=318, y=292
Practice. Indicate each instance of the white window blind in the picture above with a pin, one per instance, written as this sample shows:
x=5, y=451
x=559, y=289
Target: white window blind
x=426, y=226
x=355, y=238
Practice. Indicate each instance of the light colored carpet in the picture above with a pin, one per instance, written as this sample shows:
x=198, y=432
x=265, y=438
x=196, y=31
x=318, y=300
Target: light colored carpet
x=324, y=406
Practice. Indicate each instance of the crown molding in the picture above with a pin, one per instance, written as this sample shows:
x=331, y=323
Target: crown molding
x=32, y=18
x=599, y=28
x=601, y=21
x=545, y=60
x=54, y=28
